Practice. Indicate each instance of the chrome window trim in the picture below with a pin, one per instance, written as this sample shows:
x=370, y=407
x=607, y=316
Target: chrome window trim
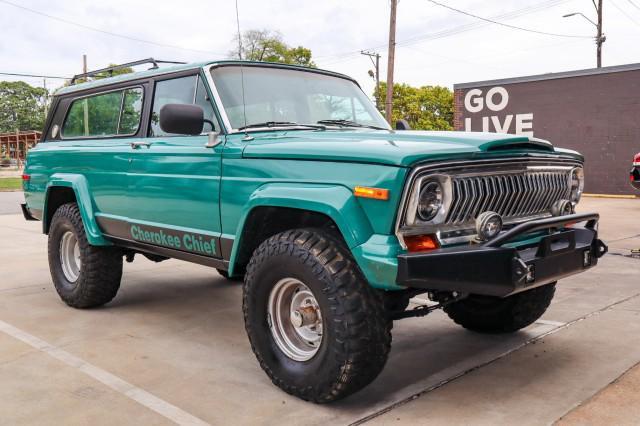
x=91, y=95
x=554, y=163
x=216, y=97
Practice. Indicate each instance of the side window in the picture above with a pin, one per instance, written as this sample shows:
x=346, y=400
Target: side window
x=202, y=99
x=131, y=112
x=108, y=114
x=183, y=90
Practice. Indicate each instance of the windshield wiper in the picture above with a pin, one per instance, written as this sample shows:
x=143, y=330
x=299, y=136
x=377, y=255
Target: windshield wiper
x=349, y=123
x=281, y=124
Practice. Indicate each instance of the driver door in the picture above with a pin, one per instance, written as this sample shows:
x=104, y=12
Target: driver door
x=175, y=179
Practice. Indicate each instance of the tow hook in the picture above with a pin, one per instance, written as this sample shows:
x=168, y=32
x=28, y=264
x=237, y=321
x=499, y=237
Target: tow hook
x=423, y=310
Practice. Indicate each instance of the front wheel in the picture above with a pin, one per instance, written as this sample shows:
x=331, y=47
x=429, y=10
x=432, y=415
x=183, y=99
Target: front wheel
x=316, y=327
x=488, y=314
x=84, y=276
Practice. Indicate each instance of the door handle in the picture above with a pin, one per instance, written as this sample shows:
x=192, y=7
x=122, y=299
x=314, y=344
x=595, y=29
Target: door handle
x=138, y=145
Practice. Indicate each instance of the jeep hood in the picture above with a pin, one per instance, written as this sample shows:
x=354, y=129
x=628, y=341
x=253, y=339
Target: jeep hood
x=404, y=148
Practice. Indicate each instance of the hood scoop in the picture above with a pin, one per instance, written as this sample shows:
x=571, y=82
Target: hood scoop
x=520, y=143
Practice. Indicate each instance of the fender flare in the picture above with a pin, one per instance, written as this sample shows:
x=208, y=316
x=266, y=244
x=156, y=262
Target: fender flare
x=334, y=201
x=80, y=187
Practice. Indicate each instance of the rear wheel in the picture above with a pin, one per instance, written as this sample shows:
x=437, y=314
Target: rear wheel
x=84, y=276
x=487, y=314
x=317, y=328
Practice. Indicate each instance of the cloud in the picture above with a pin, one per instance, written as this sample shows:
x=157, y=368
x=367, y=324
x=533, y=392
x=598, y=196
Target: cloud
x=334, y=30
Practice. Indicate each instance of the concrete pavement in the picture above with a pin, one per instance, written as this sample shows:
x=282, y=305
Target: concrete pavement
x=10, y=202
x=175, y=333
x=617, y=404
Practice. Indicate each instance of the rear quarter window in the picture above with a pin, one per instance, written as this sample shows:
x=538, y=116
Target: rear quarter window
x=115, y=113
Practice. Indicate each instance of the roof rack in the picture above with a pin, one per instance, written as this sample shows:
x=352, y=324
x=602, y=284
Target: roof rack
x=111, y=69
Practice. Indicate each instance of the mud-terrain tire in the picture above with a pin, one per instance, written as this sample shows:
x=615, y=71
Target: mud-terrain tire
x=225, y=274
x=97, y=270
x=355, y=333
x=487, y=314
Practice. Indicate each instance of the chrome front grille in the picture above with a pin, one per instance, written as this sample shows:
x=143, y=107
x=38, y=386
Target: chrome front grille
x=512, y=195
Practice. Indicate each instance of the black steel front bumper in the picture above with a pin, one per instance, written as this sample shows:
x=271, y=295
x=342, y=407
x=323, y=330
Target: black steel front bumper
x=495, y=270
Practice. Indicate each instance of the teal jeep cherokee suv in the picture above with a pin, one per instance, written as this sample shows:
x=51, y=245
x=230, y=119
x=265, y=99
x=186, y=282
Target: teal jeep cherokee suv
x=290, y=179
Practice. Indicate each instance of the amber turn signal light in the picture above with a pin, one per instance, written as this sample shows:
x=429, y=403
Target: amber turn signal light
x=421, y=242
x=375, y=193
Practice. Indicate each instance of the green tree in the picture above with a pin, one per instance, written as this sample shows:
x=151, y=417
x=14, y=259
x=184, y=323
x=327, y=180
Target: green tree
x=268, y=46
x=425, y=107
x=22, y=106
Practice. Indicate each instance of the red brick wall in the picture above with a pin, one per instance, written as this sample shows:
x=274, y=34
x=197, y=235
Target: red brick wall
x=458, y=105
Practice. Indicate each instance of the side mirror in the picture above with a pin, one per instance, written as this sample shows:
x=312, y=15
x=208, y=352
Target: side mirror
x=402, y=124
x=182, y=119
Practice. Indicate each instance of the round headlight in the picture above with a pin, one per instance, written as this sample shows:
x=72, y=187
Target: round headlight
x=430, y=201
x=577, y=184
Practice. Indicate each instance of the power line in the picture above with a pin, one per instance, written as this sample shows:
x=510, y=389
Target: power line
x=633, y=4
x=625, y=13
x=513, y=27
x=452, y=31
x=17, y=74
x=471, y=26
x=98, y=30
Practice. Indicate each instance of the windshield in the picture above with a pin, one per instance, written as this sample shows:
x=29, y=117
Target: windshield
x=277, y=95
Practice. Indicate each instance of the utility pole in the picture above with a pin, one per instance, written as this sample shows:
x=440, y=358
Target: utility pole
x=388, y=104
x=86, y=105
x=376, y=64
x=599, y=38
x=46, y=98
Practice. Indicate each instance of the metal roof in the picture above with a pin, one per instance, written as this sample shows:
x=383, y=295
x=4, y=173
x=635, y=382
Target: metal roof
x=550, y=76
x=181, y=67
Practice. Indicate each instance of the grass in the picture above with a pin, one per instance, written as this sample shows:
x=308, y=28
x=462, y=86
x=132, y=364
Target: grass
x=10, y=184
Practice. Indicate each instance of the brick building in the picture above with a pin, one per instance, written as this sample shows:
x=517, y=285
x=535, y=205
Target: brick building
x=594, y=111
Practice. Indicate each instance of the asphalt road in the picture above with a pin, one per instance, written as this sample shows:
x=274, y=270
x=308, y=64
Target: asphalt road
x=171, y=348
x=10, y=202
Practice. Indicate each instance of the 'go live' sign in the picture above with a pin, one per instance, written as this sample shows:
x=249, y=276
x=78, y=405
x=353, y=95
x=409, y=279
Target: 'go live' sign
x=496, y=99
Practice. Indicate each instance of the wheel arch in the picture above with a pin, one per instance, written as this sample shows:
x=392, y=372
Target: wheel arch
x=286, y=206
x=68, y=188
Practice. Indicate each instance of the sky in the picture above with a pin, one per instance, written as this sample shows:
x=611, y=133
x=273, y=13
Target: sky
x=436, y=46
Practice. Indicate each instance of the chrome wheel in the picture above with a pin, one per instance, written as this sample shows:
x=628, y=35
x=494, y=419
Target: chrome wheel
x=295, y=319
x=70, y=256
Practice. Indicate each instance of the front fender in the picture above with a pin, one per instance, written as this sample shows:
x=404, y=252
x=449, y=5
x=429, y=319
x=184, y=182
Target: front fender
x=80, y=187
x=335, y=201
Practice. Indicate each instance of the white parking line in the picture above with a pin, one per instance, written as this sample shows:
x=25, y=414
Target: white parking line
x=141, y=396
x=422, y=301
x=554, y=323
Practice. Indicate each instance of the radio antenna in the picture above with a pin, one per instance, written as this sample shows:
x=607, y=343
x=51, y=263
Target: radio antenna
x=244, y=107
